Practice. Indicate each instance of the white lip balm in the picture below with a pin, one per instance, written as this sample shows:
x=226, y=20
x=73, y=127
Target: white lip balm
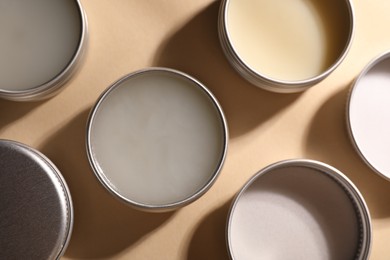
x=299, y=209
x=157, y=139
x=369, y=115
x=40, y=43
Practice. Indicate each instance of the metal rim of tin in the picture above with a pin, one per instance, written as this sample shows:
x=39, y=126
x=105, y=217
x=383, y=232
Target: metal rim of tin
x=54, y=86
x=263, y=81
x=65, y=190
x=353, y=193
x=164, y=207
x=362, y=74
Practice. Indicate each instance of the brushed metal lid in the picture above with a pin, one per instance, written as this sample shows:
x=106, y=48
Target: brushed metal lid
x=36, y=215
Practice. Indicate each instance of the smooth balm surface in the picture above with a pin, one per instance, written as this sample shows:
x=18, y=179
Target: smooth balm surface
x=157, y=138
x=288, y=40
x=38, y=39
x=369, y=115
x=294, y=213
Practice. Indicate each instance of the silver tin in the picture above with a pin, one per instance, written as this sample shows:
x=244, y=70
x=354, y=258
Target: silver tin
x=36, y=212
x=263, y=81
x=54, y=86
x=351, y=190
x=367, y=68
x=137, y=205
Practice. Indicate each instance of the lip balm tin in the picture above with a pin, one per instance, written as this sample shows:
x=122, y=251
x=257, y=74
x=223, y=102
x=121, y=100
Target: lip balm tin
x=299, y=209
x=157, y=139
x=368, y=115
x=36, y=213
x=41, y=46
x=279, y=27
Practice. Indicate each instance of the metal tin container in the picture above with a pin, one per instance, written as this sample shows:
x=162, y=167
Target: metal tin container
x=302, y=209
x=40, y=53
x=332, y=22
x=36, y=213
x=368, y=115
x=157, y=139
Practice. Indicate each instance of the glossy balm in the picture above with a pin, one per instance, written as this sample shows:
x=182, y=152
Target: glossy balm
x=39, y=45
x=369, y=115
x=299, y=210
x=157, y=139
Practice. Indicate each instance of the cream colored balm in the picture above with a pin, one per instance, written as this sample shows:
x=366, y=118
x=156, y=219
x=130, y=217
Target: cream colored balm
x=157, y=139
x=288, y=41
x=39, y=41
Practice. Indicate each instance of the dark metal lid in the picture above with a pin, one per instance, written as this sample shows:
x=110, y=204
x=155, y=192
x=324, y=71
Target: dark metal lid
x=36, y=215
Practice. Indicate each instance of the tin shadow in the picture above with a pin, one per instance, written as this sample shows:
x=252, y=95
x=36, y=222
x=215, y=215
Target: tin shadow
x=208, y=241
x=195, y=49
x=103, y=226
x=11, y=111
x=328, y=141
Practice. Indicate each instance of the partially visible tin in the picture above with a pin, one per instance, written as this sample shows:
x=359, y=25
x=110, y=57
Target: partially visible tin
x=36, y=213
x=157, y=139
x=368, y=115
x=283, y=84
x=302, y=209
x=21, y=35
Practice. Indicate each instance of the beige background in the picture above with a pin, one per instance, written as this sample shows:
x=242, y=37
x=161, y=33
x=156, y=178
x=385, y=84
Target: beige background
x=127, y=35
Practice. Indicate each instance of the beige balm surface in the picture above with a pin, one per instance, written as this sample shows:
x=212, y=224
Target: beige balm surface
x=40, y=44
x=286, y=43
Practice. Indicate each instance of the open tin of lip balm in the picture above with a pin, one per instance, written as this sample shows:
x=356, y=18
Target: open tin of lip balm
x=299, y=209
x=36, y=213
x=368, y=115
x=157, y=139
x=284, y=46
x=41, y=45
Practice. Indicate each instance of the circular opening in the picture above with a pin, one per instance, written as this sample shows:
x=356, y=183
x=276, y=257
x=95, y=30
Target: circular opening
x=295, y=211
x=289, y=42
x=39, y=41
x=369, y=115
x=157, y=139
x=35, y=206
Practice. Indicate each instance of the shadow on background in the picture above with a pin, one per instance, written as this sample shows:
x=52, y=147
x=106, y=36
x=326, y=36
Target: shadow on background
x=328, y=141
x=11, y=110
x=103, y=226
x=211, y=229
x=195, y=49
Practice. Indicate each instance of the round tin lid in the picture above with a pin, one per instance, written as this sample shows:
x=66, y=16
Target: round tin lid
x=36, y=214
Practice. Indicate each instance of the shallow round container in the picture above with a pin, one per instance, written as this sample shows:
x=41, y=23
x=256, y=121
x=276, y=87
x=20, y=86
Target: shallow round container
x=36, y=213
x=284, y=46
x=299, y=209
x=41, y=45
x=157, y=139
x=368, y=115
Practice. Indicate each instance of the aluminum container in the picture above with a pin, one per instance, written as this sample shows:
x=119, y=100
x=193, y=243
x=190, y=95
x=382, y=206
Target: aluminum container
x=36, y=213
x=303, y=208
x=135, y=139
x=279, y=84
x=53, y=86
x=368, y=117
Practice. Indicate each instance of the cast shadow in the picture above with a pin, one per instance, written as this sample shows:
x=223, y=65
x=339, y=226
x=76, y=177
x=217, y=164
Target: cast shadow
x=11, y=111
x=208, y=241
x=195, y=49
x=103, y=226
x=328, y=141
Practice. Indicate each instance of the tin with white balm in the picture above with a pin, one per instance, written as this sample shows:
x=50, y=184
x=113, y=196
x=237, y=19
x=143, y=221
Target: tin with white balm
x=285, y=46
x=299, y=209
x=368, y=115
x=157, y=139
x=41, y=45
x=36, y=213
